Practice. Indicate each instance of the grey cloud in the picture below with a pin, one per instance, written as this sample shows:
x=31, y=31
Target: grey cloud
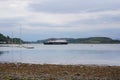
x=110, y=19
x=10, y=22
x=3, y=0
x=101, y=20
x=35, y=24
x=74, y=6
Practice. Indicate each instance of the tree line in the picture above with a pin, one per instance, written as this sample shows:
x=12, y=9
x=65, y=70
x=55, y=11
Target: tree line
x=7, y=40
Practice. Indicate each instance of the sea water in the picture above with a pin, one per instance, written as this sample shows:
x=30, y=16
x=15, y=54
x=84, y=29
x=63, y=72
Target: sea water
x=100, y=54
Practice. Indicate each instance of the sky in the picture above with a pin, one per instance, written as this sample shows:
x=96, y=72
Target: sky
x=34, y=20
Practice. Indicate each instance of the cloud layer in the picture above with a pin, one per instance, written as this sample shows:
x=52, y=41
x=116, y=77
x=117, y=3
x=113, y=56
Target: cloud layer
x=63, y=18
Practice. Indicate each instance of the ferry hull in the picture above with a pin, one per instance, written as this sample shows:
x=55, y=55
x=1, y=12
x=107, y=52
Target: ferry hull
x=55, y=43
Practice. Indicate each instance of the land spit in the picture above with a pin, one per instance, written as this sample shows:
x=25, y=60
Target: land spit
x=22, y=71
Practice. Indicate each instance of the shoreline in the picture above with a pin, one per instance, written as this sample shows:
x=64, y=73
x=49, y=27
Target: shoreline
x=24, y=71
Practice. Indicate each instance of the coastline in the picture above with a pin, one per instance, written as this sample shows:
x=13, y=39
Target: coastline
x=23, y=71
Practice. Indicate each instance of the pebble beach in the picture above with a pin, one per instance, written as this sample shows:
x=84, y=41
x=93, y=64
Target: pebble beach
x=23, y=71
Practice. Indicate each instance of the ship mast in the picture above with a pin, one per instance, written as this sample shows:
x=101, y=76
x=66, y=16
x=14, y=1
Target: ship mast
x=20, y=42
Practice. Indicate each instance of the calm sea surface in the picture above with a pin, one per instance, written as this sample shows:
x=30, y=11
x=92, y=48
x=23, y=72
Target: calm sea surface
x=105, y=54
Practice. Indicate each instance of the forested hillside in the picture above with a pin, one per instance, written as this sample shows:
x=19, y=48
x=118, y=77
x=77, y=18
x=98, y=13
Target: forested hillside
x=7, y=40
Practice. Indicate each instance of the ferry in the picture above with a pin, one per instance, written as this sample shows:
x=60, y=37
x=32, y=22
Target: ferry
x=56, y=42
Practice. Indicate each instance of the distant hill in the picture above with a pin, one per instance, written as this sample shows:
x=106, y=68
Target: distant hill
x=92, y=40
x=8, y=40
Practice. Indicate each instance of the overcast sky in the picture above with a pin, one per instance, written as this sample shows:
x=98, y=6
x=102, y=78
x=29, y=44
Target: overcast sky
x=41, y=19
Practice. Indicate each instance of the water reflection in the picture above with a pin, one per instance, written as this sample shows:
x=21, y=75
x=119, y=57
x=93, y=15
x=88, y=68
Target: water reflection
x=3, y=52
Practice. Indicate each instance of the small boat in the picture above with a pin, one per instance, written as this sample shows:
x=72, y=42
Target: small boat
x=28, y=47
x=55, y=42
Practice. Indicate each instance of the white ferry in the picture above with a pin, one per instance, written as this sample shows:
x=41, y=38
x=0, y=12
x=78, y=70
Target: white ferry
x=50, y=42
